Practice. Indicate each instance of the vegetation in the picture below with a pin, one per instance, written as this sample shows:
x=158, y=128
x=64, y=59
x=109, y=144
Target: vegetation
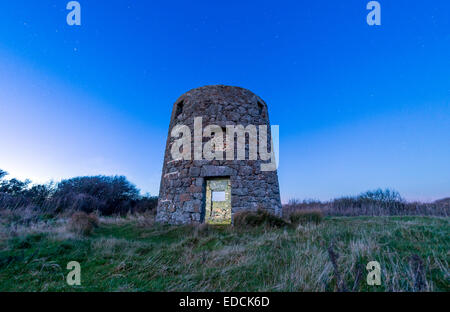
x=134, y=254
x=305, y=216
x=102, y=194
x=108, y=227
x=260, y=217
x=82, y=223
x=372, y=203
x=112, y=195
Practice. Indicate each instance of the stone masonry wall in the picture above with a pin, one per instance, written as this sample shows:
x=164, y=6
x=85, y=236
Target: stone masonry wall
x=182, y=188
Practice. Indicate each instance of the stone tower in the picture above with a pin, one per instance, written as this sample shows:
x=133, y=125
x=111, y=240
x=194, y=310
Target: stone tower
x=196, y=188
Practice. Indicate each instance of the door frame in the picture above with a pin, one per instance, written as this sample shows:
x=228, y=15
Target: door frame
x=208, y=199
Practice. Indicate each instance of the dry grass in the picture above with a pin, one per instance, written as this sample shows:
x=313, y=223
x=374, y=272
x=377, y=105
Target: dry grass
x=125, y=254
x=82, y=223
x=372, y=203
x=306, y=216
x=257, y=218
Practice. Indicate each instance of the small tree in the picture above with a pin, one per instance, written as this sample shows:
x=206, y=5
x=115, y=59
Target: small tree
x=383, y=196
x=14, y=186
x=3, y=174
x=40, y=193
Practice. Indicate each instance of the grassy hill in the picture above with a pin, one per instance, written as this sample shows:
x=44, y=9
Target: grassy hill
x=134, y=254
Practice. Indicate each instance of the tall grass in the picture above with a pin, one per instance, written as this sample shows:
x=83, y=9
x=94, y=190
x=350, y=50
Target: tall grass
x=124, y=254
x=376, y=203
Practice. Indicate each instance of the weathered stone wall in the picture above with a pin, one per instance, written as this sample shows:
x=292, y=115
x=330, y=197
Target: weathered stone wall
x=182, y=189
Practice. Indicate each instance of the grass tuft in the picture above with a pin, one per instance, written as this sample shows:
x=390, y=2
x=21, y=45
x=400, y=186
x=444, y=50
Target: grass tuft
x=257, y=218
x=82, y=223
x=306, y=216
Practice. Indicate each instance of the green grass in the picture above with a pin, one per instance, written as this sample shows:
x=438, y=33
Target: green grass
x=128, y=255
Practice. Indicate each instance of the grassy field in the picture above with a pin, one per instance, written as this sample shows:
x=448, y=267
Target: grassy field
x=133, y=254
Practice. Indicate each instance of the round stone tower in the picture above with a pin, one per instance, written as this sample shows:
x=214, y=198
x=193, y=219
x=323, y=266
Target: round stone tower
x=219, y=158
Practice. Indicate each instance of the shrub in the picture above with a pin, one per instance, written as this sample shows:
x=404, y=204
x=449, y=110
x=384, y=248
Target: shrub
x=8, y=201
x=106, y=194
x=444, y=202
x=306, y=216
x=86, y=203
x=3, y=174
x=372, y=203
x=14, y=186
x=146, y=204
x=114, y=194
x=40, y=193
x=296, y=205
x=71, y=202
x=257, y=218
x=82, y=223
x=25, y=215
x=93, y=218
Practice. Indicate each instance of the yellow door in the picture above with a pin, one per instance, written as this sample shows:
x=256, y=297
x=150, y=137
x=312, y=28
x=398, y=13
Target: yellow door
x=218, y=201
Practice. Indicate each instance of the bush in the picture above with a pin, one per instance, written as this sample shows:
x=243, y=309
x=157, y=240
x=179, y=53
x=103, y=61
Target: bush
x=372, y=203
x=258, y=218
x=93, y=218
x=39, y=194
x=146, y=204
x=25, y=215
x=14, y=186
x=82, y=223
x=306, y=216
x=16, y=194
x=114, y=194
x=107, y=195
x=72, y=202
x=309, y=204
x=8, y=201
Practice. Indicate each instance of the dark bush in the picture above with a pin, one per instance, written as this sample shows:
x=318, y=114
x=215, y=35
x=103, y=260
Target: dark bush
x=71, y=202
x=14, y=186
x=3, y=174
x=8, y=201
x=15, y=193
x=295, y=205
x=24, y=215
x=306, y=216
x=444, y=202
x=109, y=195
x=257, y=218
x=371, y=203
x=40, y=193
x=103, y=194
x=146, y=203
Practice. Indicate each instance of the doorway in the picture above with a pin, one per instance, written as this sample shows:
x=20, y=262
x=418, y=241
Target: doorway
x=218, y=201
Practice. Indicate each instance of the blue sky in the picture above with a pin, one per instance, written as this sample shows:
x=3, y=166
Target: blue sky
x=359, y=107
